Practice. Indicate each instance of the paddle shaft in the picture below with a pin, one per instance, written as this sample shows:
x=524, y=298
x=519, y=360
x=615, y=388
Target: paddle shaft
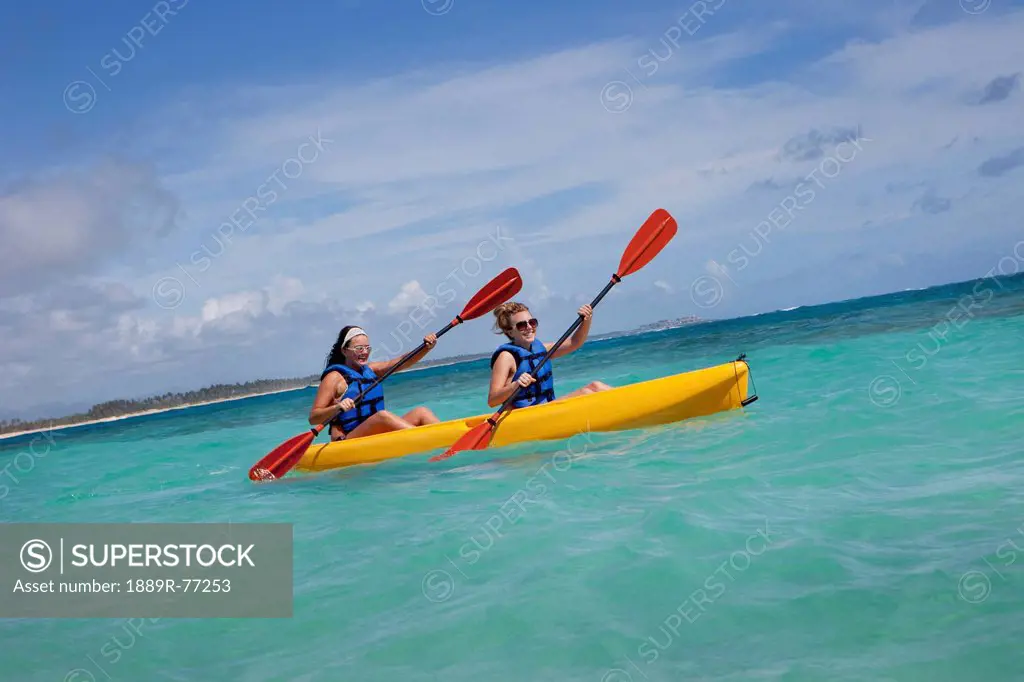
x=558, y=344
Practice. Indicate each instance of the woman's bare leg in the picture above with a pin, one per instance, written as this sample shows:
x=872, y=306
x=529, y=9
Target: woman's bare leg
x=420, y=416
x=592, y=387
x=379, y=422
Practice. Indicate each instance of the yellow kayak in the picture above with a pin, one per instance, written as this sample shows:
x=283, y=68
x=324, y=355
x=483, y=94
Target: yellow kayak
x=647, y=403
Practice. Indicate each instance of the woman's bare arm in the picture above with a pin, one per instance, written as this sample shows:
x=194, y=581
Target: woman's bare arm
x=502, y=385
x=325, y=405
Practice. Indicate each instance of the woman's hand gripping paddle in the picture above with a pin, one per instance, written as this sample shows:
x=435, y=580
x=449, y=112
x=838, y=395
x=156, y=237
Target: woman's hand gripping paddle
x=281, y=459
x=649, y=240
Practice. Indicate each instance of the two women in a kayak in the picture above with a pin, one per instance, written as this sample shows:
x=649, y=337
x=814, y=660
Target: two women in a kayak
x=516, y=363
x=348, y=373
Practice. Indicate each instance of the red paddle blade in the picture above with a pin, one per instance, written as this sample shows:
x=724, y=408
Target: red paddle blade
x=494, y=293
x=477, y=438
x=648, y=241
x=281, y=459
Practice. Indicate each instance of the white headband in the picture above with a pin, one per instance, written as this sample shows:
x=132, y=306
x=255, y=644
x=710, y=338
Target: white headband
x=352, y=333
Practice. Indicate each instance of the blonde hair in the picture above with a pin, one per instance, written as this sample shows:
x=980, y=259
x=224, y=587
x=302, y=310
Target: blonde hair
x=503, y=314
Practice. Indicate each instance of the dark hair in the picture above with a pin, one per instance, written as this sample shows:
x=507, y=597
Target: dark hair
x=336, y=357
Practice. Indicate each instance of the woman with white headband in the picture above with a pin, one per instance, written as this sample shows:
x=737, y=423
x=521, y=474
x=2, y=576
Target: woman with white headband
x=348, y=372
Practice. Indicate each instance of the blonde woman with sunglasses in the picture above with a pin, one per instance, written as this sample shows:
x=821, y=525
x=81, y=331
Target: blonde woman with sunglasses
x=515, y=363
x=348, y=372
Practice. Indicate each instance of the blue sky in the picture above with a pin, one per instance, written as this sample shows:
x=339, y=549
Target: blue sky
x=373, y=155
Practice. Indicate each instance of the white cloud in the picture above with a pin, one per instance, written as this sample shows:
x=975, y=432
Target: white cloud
x=238, y=311
x=250, y=302
x=283, y=291
x=410, y=296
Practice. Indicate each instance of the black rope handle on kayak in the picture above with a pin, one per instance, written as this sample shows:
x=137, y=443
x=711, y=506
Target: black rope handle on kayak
x=750, y=373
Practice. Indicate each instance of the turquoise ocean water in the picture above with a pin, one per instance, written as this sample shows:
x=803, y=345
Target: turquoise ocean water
x=862, y=521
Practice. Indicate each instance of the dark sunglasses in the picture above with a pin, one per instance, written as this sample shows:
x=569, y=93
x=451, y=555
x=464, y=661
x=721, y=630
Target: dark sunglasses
x=521, y=326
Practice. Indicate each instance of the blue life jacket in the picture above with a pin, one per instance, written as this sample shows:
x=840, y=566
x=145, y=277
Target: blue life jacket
x=540, y=391
x=371, y=403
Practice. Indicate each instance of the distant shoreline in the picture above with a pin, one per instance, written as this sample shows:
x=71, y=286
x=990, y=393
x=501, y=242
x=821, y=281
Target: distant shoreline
x=60, y=427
